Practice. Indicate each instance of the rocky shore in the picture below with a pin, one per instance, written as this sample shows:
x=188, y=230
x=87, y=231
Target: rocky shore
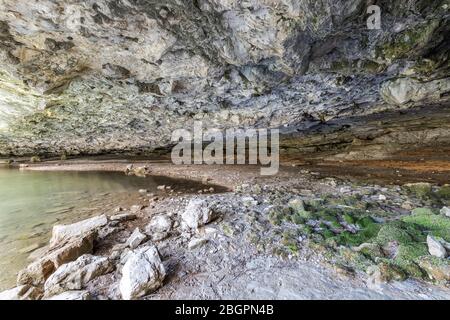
x=305, y=237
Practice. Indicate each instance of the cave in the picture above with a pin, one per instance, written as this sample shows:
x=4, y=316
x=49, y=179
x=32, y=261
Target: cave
x=340, y=110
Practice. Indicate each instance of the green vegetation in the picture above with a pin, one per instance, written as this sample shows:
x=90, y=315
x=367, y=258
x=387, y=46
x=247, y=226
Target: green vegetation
x=444, y=192
x=435, y=224
x=347, y=235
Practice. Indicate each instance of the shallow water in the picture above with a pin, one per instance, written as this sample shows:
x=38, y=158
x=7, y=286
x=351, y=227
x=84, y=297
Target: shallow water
x=31, y=202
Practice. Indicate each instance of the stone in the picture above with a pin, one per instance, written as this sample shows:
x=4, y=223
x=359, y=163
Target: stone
x=135, y=239
x=435, y=248
x=37, y=272
x=136, y=171
x=73, y=249
x=62, y=233
x=161, y=223
x=445, y=211
x=75, y=275
x=195, y=243
x=123, y=217
x=140, y=171
x=420, y=189
x=437, y=268
x=297, y=204
x=118, y=209
x=23, y=292
x=197, y=213
x=136, y=208
x=143, y=273
x=249, y=201
x=71, y=295
x=407, y=205
x=206, y=180
x=385, y=272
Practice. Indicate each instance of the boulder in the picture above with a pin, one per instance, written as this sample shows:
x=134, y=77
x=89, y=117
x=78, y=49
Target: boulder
x=37, y=272
x=64, y=233
x=420, y=189
x=72, y=295
x=385, y=272
x=436, y=268
x=159, y=227
x=435, y=248
x=136, y=238
x=73, y=249
x=143, y=273
x=197, y=213
x=445, y=211
x=75, y=275
x=23, y=292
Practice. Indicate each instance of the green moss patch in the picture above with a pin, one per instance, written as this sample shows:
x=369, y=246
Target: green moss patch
x=437, y=225
x=444, y=192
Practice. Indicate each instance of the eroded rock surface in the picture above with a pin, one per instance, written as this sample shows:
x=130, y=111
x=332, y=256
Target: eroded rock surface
x=62, y=233
x=74, y=77
x=75, y=275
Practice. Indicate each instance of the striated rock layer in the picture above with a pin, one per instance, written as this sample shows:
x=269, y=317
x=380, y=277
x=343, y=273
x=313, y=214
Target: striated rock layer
x=92, y=77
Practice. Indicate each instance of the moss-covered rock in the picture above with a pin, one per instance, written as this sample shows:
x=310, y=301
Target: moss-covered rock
x=444, y=192
x=399, y=232
x=370, y=250
x=35, y=159
x=436, y=224
x=387, y=271
x=406, y=257
x=354, y=259
x=278, y=214
x=422, y=211
x=420, y=189
x=348, y=218
x=290, y=241
x=437, y=268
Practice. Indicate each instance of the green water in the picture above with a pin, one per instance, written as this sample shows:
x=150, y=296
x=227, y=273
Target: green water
x=31, y=202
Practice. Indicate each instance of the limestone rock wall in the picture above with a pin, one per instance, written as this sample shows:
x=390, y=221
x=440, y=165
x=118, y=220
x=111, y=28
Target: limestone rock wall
x=90, y=77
